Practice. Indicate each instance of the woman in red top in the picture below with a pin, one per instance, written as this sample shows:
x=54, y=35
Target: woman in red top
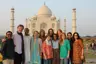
x=47, y=50
x=42, y=37
x=78, y=49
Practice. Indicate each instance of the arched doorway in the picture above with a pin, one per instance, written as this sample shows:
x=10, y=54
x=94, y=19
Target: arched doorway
x=43, y=26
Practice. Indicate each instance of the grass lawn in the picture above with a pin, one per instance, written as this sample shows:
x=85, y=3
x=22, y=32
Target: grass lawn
x=90, y=54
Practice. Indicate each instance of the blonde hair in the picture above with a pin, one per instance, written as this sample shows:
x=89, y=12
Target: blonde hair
x=61, y=39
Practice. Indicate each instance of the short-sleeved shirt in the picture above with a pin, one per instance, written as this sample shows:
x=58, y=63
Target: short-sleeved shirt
x=55, y=44
x=64, y=48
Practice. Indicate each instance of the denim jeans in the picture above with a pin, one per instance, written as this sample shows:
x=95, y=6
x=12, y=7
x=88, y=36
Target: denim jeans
x=69, y=61
x=48, y=61
x=64, y=61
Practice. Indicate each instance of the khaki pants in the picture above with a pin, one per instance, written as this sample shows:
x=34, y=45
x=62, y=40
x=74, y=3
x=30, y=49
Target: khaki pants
x=8, y=61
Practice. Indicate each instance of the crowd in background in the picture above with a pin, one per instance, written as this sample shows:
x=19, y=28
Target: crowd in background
x=42, y=48
x=93, y=45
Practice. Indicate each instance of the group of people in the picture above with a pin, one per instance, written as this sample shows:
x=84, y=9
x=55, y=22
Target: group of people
x=93, y=45
x=42, y=48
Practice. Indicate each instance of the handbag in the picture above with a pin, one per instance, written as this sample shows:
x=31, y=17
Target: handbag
x=1, y=57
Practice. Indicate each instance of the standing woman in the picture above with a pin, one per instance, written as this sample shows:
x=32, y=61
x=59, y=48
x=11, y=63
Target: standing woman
x=55, y=42
x=47, y=50
x=35, y=49
x=64, y=49
x=27, y=42
x=59, y=33
x=42, y=37
x=51, y=32
x=78, y=49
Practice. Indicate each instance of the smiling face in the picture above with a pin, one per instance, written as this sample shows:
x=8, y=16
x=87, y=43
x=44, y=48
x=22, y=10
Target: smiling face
x=63, y=35
x=9, y=35
x=75, y=36
x=69, y=36
x=35, y=34
x=51, y=32
x=59, y=32
x=55, y=37
x=26, y=30
x=20, y=29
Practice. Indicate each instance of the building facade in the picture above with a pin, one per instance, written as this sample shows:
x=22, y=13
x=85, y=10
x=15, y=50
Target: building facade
x=43, y=20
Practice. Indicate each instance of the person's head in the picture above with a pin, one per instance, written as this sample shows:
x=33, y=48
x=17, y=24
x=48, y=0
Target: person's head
x=26, y=31
x=51, y=32
x=42, y=33
x=48, y=37
x=55, y=37
x=20, y=28
x=63, y=35
x=69, y=35
x=76, y=36
x=35, y=34
x=59, y=32
x=9, y=34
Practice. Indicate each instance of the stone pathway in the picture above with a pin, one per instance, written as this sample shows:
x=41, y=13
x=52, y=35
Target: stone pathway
x=90, y=61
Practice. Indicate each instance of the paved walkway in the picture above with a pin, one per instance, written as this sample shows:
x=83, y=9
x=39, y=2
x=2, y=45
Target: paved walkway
x=90, y=61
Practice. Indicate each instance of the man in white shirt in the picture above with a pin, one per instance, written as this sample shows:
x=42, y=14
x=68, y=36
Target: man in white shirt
x=19, y=45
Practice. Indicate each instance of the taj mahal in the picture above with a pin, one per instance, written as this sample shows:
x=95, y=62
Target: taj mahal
x=45, y=20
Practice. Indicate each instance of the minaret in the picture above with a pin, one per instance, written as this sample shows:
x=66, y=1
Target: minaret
x=12, y=20
x=31, y=31
x=26, y=26
x=73, y=20
x=65, y=25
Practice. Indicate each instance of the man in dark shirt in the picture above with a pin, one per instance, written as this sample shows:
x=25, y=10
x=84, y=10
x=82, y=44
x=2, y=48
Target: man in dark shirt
x=8, y=49
x=69, y=37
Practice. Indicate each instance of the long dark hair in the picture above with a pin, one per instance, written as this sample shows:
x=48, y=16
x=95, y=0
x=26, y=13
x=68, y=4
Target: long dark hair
x=41, y=32
x=77, y=36
x=52, y=32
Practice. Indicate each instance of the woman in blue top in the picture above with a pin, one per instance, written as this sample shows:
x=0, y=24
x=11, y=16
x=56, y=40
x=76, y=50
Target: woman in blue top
x=35, y=49
x=64, y=49
x=56, y=56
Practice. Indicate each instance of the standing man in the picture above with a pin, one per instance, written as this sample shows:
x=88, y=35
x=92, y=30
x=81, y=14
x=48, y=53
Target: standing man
x=19, y=45
x=8, y=49
x=69, y=37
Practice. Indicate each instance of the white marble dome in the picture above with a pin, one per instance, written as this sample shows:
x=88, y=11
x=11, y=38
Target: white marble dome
x=44, y=10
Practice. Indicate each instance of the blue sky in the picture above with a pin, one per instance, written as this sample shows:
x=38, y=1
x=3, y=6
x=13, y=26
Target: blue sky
x=86, y=13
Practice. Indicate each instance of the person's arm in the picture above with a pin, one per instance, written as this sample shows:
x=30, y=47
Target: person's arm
x=82, y=48
x=14, y=40
x=44, y=51
x=4, y=47
x=40, y=47
x=68, y=46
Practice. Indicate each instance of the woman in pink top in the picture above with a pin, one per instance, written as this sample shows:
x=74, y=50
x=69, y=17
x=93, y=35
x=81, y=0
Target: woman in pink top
x=47, y=50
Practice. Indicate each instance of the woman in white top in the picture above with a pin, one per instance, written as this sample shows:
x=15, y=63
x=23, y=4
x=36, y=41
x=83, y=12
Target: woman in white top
x=55, y=42
x=27, y=41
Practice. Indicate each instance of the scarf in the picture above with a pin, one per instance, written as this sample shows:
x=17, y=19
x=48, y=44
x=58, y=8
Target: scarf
x=23, y=55
x=48, y=42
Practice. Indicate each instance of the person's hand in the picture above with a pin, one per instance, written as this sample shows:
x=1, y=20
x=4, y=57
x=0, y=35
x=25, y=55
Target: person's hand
x=82, y=57
x=45, y=58
x=67, y=56
x=3, y=40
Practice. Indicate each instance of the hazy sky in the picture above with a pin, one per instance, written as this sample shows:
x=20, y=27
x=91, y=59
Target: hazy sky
x=86, y=13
